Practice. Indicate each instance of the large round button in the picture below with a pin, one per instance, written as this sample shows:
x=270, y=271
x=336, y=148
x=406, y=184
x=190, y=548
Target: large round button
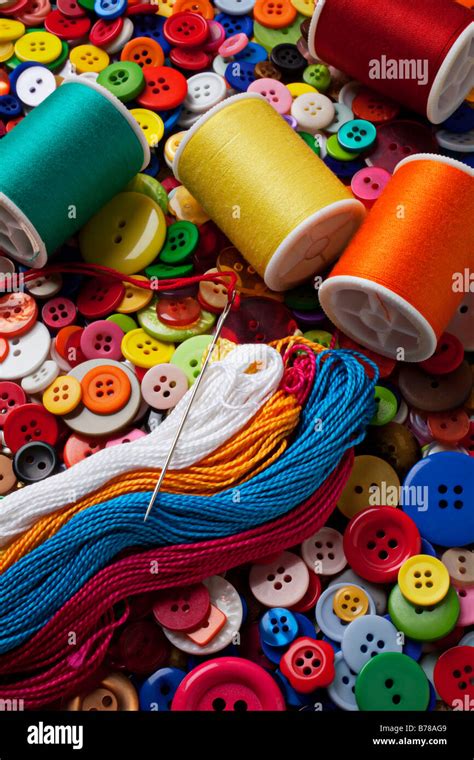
x=280, y=583
x=163, y=386
x=423, y=580
x=114, y=694
x=11, y=397
x=144, y=51
x=18, y=313
x=39, y=46
x=435, y=393
x=186, y=29
x=99, y=296
x=63, y=395
x=105, y=389
x=30, y=422
x=424, y=623
x=392, y=682
x=378, y=541
x=182, y=609
x=372, y=481
x=35, y=461
x=228, y=684
x=453, y=677
x=165, y=88
x=367, y=637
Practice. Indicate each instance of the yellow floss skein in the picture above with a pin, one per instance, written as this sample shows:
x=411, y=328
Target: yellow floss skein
x=279, y=204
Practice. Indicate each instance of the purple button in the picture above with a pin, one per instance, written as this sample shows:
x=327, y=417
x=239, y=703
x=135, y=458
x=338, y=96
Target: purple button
x=400, y=139
x=309, y=318
x=290, y=120
x=102, y=340
x=59, y=312
x=367, y=184
x=164, y=385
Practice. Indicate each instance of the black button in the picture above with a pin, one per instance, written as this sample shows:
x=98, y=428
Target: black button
x=34, y=461
x=288, y=60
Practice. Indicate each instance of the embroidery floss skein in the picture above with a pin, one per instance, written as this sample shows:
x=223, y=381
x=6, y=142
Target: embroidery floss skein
x=228, y=399
x=284, y=210
x=435, y=35
x=83, y=146
x=393, y=288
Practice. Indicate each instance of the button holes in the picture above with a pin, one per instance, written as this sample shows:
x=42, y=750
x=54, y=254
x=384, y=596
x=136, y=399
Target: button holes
x=396, y=699
x=393, y=543
x=345, y=680
x=380, y=534
x=370, y=637
x=458, y=489
x=287, y=578
x=277, y=586
x=371, y=545
x=388, y=683
x=383, y=554
x=358, y=489
x=418, y=585
x=299, y=662
x=443, y=503
x=364, y=648
x=458, y=504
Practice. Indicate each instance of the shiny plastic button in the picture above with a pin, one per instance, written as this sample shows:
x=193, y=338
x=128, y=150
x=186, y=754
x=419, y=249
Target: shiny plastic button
x=135, y=297
x=151, y=125
x=313, y=111
x=449, y=427
x=182, y=609
x=392, y=682
x=123, y=79
x=38, y=381
x=34, y=85
x=370, y=476
x=99, y=296
x=86, y=58
x=453, y=677
x=144, y=350
x=369, y=183
x=59, y=312
x=165, y=88
x=35, y=461
x=144, y=51
x=357, y=135
x=424, y=623
x=278, y=627
x=11, y=396
x=141, y=647
x=163, y=386
x=8, y=478
x=386, y=406
x=447, y=357
x=80, y=447
x=178, y=312
x=308, y=664
x=102, y=340
x=280, y=583
x=423, y=580
x=26, y=353
x=460, y=566
x=40, y=46
x=114, y=693
x=367, y=637
x=157, y=692
x=18, y=314
x=274, y=92
x=30, y=422
x=350, y=602
x=341, y=690
x=63, y=395
x=189, y=356
x=330, y=623
x=323, y=552
x=105, y=389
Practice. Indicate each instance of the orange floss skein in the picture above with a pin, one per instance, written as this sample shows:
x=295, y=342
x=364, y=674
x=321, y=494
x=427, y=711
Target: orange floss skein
x=397, y=285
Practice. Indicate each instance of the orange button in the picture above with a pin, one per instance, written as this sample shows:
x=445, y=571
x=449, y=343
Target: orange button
x=113, y=694
x=144, y=51
x=215, y=622
x=201, y=7
x=350, y=602
x=4, y=349
x=105, y=389
x=449, y=427
x=7, y=475
x=62, y=338
x=275, y=14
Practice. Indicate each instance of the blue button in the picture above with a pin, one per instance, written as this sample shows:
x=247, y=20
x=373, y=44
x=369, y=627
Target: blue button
x=153, y=167
x=235, y=24
x=447, y=515
x=411, y=648
x=462, y=120
x=278, y=627
x=170, y=118
x=427, y=548
x=305, y=626
x=240, y=75
x=327, y=619
x=157, y=692
x=110, y=9
x=344, y=169
x=432, y=702
x=367, y=636
x=10, y=106
x=235, y=7
x=148, y=25
x=253, y=53
x=342, y=689
x=356, y=135
x=274, y=654
x=292, y=698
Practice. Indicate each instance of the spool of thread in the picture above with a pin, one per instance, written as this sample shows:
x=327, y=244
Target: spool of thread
x=61, y=164
x=417, y=52
x=284, y=210
x=394, y=285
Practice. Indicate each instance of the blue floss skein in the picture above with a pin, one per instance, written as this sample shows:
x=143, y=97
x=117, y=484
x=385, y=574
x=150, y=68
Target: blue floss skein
x=339, y=408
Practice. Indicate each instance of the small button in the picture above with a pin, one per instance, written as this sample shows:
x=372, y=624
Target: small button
x=308, y=664
x=424, y=623
x=313, y=111
x=341, y=690
x=323, y=552
x=449, y=427
x=39, y=46
x=178, y=312
x=185, y=29
x=372, y=480
x=182, y=609
x=114, y=694
x=129, y=437
x=35, y=461
x=79, y=447
x=135, y=297
x=104, y=33
x=66, y=27
x=209, y=629
x=26, y=353
x=394, y=682
x=105, y=389
x=86, y=58
x=165, y=88
x=460, y=566
x=63, y=395
x=373, y=107
x=11, y=397
x=357, y=135
x=39, y=380
x=423, y=580
x=368, y=637
x=234, y=45
x=123, y=79
x=447, y=357
x=141, y=648
x=280, y=583
x=288, y=59
x=331, y=624
x=151, y=125
x=190, y=60
x=274, y=14
x=110, y=9
x=278, y=627
x=189, y=356
x=102, y=340
x=267, y=70
x=163, y=386
x=462, y=324
x=318, y=75
x=205, y=90
x=275, y=93
x=59, y=312
x=34, y=84
x=7, y=475
x=213, y=296
x=369, y=183
x=350, y=602
x=144, y=51
x=30, y=422
x=399, y=139
x=142, y=349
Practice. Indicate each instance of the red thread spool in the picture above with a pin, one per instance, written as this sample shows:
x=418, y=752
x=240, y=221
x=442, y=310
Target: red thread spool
x=375, y=41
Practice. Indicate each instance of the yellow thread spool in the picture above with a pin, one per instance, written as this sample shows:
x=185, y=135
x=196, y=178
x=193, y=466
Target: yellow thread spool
x=279, y=204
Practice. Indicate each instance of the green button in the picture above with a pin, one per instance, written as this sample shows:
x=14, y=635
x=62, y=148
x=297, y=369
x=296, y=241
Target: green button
x=190, y=354
x=387, y=406
x=181, y=242
x=319, y=336
x=124, y=79
x=424, y=623
x=125, y=322
x=143, y=183
x=269, y=38
x=335, y=150
x=303, y=298
x=87, y=4
x=317, y=75
x=311, y=142
x=392, y=681
x=163, y=272
x=148, y=319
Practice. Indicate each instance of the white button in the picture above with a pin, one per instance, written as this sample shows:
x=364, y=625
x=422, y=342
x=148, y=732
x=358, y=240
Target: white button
x=26, y=353
x=124, y=36
x=45, y=287
x=220, y=64
x=34, y=85
x=343, y=115
x=462, y=142
x=348, y=93
x=205, y=91
x=186, y=120
x=39, y=380
x=313, y=111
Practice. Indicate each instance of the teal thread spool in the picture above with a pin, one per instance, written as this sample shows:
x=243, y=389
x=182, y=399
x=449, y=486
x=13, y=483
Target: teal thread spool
x=61, y=164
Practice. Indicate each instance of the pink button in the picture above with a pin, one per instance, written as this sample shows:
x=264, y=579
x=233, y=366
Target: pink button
x=164, y=385
x=281, y=583
x=228, y=684
x=216, y=37
x=102, y=340
x=466, y=600
x=367, y=184
x=233, y=45
x=59, y=312
x=324, y=553
x=130, y=437
x=275, y=93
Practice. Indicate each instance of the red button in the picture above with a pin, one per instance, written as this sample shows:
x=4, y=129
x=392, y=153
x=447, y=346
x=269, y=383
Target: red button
x=186, y=29
x=30, y=422
x=182, y=609
x=11, y=396
x=312, y=595
x=178, y=312
x=258, y=320
x=142, y=648
x=165, y=88
x=190, y=60
x=454, y=677
x=378, y=540
x=58, y=312
x=449, y=427
x=70, y=8
x=229, y=684
x=80, y=447
x=13, y=10
x=72, y=348
x=385, y=365
x=4, y=90
x=468, y=442
x=308, y=664
x=104, y=32
x=18, y=313
x=67, y=28
x=373, y=107
x=99, y=297
x=447, y=357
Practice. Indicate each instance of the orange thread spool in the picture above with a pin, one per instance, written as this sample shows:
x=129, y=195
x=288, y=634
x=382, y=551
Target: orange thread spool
x=395, y=285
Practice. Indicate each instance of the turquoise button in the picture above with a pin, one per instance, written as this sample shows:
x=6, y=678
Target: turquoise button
x=357, y=135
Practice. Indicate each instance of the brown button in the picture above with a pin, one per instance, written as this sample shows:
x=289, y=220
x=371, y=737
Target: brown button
x=394, y=443
x=372, y=482
x=113, y=694
x=435, y=393
x=264, y=69
x=7, y=476
x=304, y=28
x=460, y=566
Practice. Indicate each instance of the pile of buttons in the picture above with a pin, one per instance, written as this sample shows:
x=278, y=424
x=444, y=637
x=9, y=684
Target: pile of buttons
x=376, y=610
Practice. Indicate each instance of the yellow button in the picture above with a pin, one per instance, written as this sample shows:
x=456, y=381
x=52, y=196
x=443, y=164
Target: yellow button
x=300, y=88
x=350, y=603
x=127, y=234
x=63, y=395
x=88, y=58
x=185, y=207
x=151, y=124
x=6, y=51
x=171, y=146
x=423, y=580
x=143, y=350
x=164, y=7
x=10, y=29
x=41, y=47
x=372, y=483
x=305, y=7
x=134, y=298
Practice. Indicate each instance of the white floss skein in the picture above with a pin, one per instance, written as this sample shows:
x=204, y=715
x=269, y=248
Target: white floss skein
x=226, y=400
